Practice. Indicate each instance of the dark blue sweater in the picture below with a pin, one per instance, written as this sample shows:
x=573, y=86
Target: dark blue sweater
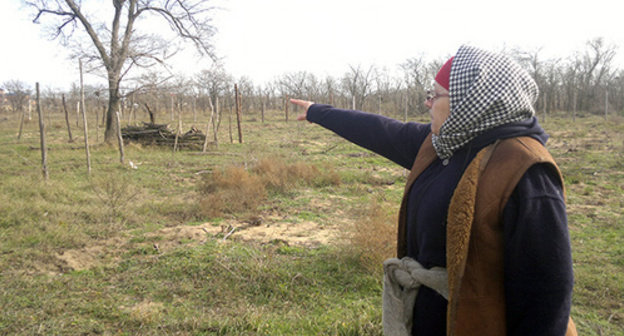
x=538, y=262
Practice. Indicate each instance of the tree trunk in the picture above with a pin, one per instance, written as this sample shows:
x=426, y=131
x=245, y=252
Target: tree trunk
x=114, y=98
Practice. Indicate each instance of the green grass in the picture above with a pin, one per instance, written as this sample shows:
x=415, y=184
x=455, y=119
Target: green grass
x=213, y=288
x=235, y=287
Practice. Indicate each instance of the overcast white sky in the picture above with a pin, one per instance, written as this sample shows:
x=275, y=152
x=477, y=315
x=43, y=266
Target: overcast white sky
x=263, y=39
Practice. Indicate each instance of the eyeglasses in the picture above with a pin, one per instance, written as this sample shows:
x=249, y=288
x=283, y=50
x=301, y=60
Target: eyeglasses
x=432, y=96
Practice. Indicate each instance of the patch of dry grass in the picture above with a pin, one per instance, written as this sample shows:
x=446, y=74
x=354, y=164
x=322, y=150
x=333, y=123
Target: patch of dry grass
x=374, y=236
x=232, y=190
x=235, y=190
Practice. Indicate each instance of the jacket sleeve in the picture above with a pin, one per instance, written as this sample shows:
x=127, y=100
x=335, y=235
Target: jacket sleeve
x=390, y=138
x=538, y=261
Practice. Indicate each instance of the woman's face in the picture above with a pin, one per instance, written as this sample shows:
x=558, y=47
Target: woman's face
x=438, y=102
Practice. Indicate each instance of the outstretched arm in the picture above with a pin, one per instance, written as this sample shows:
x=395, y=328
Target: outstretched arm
x=390, y=138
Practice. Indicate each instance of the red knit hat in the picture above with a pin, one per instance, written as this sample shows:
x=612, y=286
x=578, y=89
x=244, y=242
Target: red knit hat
x=444, y=75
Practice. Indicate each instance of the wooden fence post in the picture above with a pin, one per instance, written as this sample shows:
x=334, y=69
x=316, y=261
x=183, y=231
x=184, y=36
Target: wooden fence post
x=208, y=124
x=263, y=108
x=44, y=149
x=71, y=139
x=119, y=138
x=84, y=120
x=216, y=121
x=78, y=113
x=238, y=113
x=178, y=130
x=230, y=123
x=21, y=126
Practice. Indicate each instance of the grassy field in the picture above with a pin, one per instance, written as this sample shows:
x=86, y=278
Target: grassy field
x=160, y=252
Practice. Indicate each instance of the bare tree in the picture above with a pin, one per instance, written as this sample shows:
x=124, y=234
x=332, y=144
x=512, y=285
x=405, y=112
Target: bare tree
x=358, y=83
x=18, y=94
x=293, y=83
x=595, y=71
x=215, y=81
x=119, y=46
x=417, y=76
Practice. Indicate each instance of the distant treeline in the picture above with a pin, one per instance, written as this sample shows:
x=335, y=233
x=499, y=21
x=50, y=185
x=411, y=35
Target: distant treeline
x=585, y=82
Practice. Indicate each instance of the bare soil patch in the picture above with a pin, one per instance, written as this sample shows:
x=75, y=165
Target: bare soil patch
x=261, y=230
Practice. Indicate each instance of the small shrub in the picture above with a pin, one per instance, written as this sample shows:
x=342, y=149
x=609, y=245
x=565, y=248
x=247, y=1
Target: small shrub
x=115, y=193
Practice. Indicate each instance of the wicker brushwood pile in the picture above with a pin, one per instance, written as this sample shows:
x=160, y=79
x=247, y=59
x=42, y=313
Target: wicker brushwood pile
x=161, y=135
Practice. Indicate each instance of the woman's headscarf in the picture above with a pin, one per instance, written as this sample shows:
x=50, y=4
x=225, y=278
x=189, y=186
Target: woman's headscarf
x=486, y=90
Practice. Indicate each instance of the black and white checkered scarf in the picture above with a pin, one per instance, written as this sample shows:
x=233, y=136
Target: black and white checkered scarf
x=486, y=90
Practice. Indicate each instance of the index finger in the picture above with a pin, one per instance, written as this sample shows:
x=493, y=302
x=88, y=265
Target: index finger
x=303, y=103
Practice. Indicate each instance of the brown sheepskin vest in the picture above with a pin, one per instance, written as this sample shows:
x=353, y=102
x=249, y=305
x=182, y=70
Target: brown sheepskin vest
x=474, y=246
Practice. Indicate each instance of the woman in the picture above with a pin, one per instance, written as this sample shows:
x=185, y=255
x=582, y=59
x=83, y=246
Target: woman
x=484, y=199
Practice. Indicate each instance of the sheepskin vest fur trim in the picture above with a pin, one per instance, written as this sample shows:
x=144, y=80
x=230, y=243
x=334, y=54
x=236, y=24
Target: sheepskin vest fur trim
x=474, y=252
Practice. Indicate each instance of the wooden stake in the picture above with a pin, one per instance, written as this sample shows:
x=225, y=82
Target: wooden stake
x=119, y=138
x=67, y=119
x=263, y=108
x=230, y=124
x=84, y=120
x=175, y=142
x=97, y=123
x=238, y=114
x=44, y=149
x=210, y=121
x=21, y=126
x=216, y=121
x=286, y=108
x=78, y=113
